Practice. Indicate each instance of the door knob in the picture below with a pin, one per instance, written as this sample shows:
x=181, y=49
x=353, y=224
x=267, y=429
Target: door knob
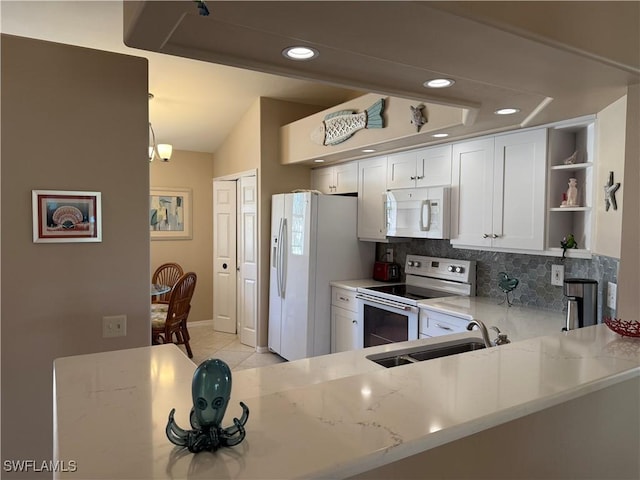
x=224, y=266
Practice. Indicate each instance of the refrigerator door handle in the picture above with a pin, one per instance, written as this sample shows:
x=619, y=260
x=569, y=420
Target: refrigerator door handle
x=279, y=259
x=283, y=257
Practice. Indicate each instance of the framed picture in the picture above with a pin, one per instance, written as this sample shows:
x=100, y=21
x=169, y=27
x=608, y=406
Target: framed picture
x=65, y=217
x=170, y=213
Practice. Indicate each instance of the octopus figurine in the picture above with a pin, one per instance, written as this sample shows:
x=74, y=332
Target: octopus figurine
x=210, y=389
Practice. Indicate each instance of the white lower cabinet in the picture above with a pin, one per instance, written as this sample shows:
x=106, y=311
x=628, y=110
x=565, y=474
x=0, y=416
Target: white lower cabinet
x=436, y=324
x=346, y=331
x=499, y=186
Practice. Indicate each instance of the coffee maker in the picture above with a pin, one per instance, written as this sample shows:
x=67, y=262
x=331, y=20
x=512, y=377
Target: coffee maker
x=582, y=302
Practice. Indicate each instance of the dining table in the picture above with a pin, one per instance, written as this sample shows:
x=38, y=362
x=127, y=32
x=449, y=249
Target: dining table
x=159, y=289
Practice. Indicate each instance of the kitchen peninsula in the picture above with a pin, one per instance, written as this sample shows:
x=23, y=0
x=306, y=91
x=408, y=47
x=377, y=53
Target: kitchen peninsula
x=342, y=415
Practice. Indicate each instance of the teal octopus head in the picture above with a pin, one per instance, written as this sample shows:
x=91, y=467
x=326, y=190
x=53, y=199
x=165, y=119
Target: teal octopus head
x=210, y=390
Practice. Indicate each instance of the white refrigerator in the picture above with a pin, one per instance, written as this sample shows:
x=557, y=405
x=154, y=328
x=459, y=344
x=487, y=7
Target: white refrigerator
x=314, y=241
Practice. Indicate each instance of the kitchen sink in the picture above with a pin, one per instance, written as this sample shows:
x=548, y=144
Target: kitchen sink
x=426, y=352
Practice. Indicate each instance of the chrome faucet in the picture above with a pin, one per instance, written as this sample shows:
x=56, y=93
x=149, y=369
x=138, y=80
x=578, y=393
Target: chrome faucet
x=502, y=337
x=483, y=331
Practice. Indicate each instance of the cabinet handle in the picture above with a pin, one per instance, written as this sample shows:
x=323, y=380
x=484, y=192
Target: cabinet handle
x=486, y=235
x=354, y=321
x=412, y=178
x=344, y=299
x=420, y=177
x=495, y=235
x=443, y=327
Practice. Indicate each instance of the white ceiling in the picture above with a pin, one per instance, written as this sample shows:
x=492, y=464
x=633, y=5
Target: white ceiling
x=553, y=60
x=196, y=103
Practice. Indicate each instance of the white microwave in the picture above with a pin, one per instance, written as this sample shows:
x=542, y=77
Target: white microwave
x=418, y=212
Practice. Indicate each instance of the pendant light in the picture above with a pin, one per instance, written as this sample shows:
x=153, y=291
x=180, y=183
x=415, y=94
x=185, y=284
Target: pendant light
x=161, y=151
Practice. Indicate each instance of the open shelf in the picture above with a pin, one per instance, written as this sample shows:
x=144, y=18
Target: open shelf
x=571, y=253
x=573, y=166
x=565, y=140
x=570, y=209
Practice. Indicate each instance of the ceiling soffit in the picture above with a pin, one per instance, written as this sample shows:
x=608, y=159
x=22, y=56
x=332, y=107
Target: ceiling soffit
x=389, y=48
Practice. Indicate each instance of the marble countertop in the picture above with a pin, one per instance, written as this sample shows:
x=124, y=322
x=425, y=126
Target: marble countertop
x=517, y=322
x=330, y=417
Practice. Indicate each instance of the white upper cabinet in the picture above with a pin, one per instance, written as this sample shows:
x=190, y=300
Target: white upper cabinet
x=472, y=193
x=336, y=179
x=498, y=197
x=372, y=185
x=428, y=167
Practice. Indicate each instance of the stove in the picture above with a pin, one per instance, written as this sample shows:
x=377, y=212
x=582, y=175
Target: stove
x=429, y=277
x=389, y=313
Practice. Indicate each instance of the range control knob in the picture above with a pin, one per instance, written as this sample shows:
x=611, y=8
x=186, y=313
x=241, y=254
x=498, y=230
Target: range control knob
x=410, y=263
x=417, y=264
x=459, y=269
x=450, y=268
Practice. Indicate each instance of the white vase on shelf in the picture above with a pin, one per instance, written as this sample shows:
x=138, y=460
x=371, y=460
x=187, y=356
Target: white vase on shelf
x=572, y=193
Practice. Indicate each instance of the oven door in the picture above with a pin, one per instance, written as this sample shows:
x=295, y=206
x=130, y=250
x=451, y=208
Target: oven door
x=386, y=321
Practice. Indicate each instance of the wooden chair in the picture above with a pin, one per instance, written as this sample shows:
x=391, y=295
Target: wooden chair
x=165, y=274
x=171, y=326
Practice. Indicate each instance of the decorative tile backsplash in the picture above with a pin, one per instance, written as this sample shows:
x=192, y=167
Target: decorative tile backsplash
x=533, y=272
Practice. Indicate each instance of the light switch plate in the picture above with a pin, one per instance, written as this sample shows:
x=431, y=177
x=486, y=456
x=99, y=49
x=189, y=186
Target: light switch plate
x=612, y=293
x=557, y=275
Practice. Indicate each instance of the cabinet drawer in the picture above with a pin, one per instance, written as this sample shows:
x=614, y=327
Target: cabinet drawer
x=343, y=298
x=434, y=324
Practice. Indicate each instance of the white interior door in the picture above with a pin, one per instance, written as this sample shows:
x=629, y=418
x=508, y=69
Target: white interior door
x=247, y=304
x=224, y=256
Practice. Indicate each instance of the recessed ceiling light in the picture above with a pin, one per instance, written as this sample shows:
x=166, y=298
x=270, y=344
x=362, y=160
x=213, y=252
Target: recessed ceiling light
x=300, y=53
x=368, y=150
x=440, y=135
x=439, y=83
x=318, y=160
x=506, y=111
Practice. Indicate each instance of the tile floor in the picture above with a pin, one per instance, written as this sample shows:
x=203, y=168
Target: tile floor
x=207, y=343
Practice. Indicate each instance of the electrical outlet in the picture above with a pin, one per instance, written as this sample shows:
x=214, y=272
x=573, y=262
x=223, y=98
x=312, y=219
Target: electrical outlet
x=557, y=275
x=114, y=326
x=389, y=254
x=612, y=292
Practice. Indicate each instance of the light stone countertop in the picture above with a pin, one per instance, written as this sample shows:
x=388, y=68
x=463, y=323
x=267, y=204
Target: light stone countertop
x=324, y=417
x=519, y=323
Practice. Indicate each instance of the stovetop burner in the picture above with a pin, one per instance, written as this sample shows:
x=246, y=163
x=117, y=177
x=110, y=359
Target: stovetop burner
x=409, y=291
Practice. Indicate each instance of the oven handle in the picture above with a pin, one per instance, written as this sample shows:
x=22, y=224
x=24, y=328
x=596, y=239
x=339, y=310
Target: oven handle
x=388, y=303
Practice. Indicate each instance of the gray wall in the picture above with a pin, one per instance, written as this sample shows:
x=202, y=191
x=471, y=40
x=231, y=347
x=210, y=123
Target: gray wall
x=72, y=119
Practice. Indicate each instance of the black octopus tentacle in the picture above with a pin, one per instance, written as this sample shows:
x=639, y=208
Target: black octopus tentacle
x=243, y=420
x=227, y=434
x=175, y=434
